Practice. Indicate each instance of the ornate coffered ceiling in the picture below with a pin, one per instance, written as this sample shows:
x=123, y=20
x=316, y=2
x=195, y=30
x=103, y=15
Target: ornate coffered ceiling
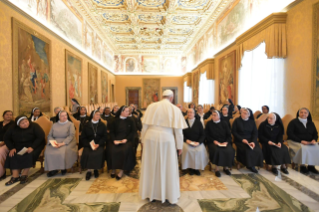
x=156, y=26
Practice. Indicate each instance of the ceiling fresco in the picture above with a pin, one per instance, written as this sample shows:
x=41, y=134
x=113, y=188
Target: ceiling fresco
x=165, y=26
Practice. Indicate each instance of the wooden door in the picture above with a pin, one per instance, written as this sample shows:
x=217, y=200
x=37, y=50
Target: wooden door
x=174, y=96
x=133, y=97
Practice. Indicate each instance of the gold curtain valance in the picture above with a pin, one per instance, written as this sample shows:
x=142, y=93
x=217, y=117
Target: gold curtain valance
x=272, y=31
x=188, y=79
x=208, y=66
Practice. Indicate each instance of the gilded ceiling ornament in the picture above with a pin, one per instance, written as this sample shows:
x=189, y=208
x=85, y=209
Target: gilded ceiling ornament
x=108, y=3
x=115, y=17
x=150, y=18
x=128, y=46
x=184, y=19
x=179, y=30
x=120, y=29
x=151, y=3
x=125, y=39
x=175, y=40
x=192, y=3
x=151, y=31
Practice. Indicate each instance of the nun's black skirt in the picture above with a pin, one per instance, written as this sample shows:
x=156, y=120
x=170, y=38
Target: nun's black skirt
x=249, y=157
x=92, y=159
x=276, y=156
x=122, y=156
x=221, y=156
x=23, y=161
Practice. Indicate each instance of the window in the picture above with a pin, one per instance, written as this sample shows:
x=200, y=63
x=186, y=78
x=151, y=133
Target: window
x=187, y=93
x=206, y=90
x=261, y=81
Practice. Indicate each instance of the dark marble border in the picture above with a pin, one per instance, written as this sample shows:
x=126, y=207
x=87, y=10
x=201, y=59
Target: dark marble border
x=6, y=195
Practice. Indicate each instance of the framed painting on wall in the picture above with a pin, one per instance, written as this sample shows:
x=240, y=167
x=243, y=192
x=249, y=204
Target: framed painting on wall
x=175, y=91
x=31, y=69
x=227, y=78
x=92, y=76
x=73, y=76
x=104, y=87
x=151, y=91
x=315, y=62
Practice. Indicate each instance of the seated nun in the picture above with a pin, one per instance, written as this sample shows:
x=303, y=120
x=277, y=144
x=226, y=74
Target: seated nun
x=75, y=106
x=136, y=111
x=200, y=114
x=63, y=155
x=181, y=108
x=194, y=156
x=4, y=126
x=56, y=111
x=236, y=110
x=121, y=155
x=25, y=135
x=192, y=106
x=219, y=143
x=302, y=141
x=35, y=114
x=209, y=113
x=82, y=117
x=270, y=134
x=93, y=153
x=226, y=116
x=114, y=110
x=138, y=125
x=245, y=133
x=107, y=115
x=264, y=109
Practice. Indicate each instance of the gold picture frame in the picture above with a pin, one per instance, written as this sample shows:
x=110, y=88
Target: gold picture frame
x=315, y=63
x=32, y=65
x=92, y=84
x=72, y=63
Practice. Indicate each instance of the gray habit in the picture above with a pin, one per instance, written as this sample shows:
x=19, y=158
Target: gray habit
x=65, y=156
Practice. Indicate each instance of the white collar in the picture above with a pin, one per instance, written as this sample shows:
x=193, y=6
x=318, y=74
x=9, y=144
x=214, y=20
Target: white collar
x=122, y=117
x=82, y=116
x=303, y=120
x=245, y=119
x=226, y=115
x=107, y=115
x=216, y=122
x=130, y=115
x=95, y=122
x=63, y=122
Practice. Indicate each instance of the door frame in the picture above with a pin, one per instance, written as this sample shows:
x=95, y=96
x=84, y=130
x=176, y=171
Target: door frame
x=139, y=95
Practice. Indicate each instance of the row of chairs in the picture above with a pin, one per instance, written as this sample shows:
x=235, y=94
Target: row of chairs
x=92, y=107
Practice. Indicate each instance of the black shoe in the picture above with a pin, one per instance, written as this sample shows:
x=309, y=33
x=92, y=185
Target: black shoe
x=217, y=174
x=63, y=172
x=275, y=171
x=52, y=173
x=313, y=169
x=304, y=170
x=88, y=175
x=191, y=172
x=253, y=169
x=12, y=181
x=284, y=170
x=118, y=177
x=23, y=179
x=3, y=176
x=112, y=175
x=96, y=173
x=196, y=172
x=227, y=171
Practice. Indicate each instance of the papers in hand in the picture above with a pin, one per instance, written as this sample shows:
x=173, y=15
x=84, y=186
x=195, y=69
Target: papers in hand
x=22, y=151
x=276, y=145
x=92, y=143
x=54, y=143
x=222, y=145
x=250, y=146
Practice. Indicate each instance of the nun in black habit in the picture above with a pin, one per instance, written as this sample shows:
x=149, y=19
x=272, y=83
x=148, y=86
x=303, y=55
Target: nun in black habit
x=219, y=142
x=226, y=114
x=270, y=134
x=264, y=109
x=35, y=114
x=302, y=141
x=245, y=133
x=93, y=155
x=114, y=110
x=121, y=154
x=82, y=117
x=24, y=134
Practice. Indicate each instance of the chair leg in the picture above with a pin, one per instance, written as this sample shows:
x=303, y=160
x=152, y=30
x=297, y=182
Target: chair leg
x=42, y=168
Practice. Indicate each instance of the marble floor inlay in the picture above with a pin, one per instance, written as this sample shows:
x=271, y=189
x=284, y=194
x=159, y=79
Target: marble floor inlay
x=158, y=206
x=51, y=194
x=264, y=195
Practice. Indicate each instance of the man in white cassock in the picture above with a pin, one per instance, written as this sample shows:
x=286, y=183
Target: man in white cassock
x=162, y=135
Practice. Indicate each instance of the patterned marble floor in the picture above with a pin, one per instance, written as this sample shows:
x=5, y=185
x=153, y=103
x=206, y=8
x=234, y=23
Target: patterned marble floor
x=243, y=191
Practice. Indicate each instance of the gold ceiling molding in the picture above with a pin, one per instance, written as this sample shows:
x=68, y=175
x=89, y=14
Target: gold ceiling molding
x=272, y=31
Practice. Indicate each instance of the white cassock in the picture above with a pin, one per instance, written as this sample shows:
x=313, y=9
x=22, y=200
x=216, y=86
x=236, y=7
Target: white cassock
x=162, y=135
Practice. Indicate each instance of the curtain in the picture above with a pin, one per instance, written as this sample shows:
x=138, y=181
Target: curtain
x=261, y=81
x=187, y=93
x=206, y=90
